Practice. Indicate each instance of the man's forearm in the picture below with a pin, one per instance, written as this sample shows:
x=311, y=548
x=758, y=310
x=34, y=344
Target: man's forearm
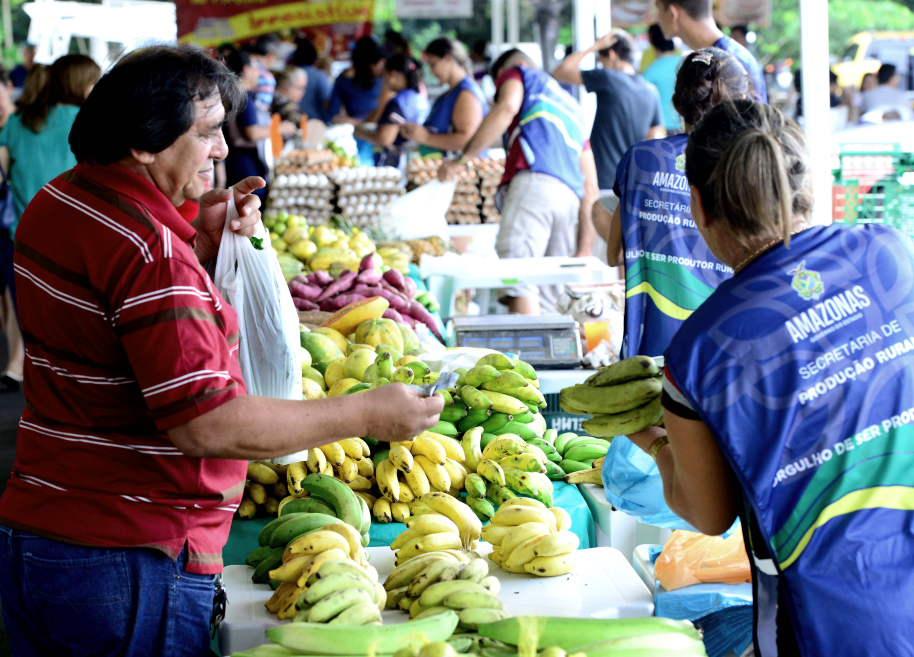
x=587, y=234
x=452, y=141
x=493, y=127
x=260, y=427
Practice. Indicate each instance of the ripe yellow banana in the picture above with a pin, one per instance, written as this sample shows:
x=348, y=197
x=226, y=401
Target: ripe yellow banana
x=334, y=453
x=262, y=473
x=550, y=566
x=437, y=475
x=513, y=516
x=505, y=445
x=381, y=510
x=471, y=447
x=257, y=492
x=352, y=447
x=562, y=519
x=388, y=484
x=457, y=474
x=292, y=569
x=491, y=471
x=452, y=448
x=316, y=460
x=432, y=523
x=347, y=470
x=404, y=574
x=334, y=554
x=328, y=470
x=494, y=534
x=523, y=552
x=557, y=544
x=425, y=445
x=461, y=514
x=367, y=497
x=316, y=542
x=520, y=535
x=524, y=501
x=365, y=467
x=352, y=536
x=399, y=511
x=247, y=508
x=428, y=543
x=418, y=482
x=401, y=457
x=406, y=493
x=295, y=474
x=360, y=483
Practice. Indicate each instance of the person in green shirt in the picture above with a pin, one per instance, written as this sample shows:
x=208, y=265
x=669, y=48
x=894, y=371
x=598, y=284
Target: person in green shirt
x=34, y=146
x=662, y=74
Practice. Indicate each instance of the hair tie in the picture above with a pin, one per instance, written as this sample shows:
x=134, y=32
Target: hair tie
x=705, y=58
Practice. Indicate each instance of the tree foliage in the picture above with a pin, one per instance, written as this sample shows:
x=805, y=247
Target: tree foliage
x=845, y=17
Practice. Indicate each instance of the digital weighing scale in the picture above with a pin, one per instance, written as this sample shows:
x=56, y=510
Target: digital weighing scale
x=546, y=342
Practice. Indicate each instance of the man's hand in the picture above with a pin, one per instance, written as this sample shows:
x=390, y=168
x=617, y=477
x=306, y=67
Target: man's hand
x=397, y=412
x=415, y=132
x=213, y=206
x=450, y=170
x=604, y=42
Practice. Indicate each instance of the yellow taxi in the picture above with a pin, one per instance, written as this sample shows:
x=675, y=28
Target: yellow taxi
x=867, y=51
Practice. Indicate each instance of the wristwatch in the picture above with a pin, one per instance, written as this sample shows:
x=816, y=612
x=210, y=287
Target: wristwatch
x=657, y=445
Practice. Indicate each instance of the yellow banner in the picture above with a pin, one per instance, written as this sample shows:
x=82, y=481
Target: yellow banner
x=275, y=17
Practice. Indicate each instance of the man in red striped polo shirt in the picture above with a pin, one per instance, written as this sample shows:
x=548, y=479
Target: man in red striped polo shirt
x=130, y=454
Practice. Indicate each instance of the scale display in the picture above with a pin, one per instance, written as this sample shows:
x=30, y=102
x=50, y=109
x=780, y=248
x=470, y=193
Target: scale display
x=538, y=343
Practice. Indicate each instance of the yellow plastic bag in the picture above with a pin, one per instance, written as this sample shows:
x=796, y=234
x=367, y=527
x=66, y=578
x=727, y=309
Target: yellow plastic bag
x=689, y=558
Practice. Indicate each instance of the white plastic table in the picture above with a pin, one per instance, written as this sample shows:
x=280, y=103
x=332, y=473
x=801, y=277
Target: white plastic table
x=603, y=585
x=452, y=272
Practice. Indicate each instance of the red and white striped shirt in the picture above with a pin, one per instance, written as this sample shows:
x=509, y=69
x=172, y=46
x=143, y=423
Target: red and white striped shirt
x=126, y=337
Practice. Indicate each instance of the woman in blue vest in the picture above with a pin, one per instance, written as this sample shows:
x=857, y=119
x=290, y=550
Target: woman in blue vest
x=402, y=75
x=669, y=270
x=789, y=397
x=357, y=91
x=456, y=114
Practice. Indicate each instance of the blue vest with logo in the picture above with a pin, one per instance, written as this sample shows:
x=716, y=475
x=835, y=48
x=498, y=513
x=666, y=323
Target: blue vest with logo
x=440, y=119
x=669, y=269
x=549, y=130
x=802, y=365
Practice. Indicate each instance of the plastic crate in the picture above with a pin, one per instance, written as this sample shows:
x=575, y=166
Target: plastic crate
x=559, y=420
x=875, y=187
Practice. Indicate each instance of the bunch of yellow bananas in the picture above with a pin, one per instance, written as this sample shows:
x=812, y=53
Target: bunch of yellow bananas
x=264, y=488
x=442, y=522
x=532, y=538
x=429, y=462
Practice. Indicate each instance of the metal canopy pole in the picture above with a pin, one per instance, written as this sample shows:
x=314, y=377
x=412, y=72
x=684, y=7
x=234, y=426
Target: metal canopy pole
x=816, y=106
x=513, y=21
x=498, y=23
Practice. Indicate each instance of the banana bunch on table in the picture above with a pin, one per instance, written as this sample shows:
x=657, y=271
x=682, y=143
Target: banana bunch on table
x=442, y=522
x=264, y=487
x=624, y=398
x=531, y=538
x=430, y=462
x=444, y=580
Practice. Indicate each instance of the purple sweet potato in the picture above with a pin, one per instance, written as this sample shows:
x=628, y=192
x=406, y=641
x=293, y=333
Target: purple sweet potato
x=304, y=304
x=411, y=287
x=395, y=278
x=370, y=277
x=390, y=313
x=369, y=262
x=349, y=297
x=304, y=290
x=340, y=285
x=397, y=301
x=418, y=311
x=322, y=278
x=331, y=305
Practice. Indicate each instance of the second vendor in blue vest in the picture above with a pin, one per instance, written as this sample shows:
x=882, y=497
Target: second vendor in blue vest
x=543, y=182
x=456, y=114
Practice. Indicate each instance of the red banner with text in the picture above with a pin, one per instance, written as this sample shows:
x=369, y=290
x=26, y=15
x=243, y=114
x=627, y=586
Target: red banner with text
x=213, y=22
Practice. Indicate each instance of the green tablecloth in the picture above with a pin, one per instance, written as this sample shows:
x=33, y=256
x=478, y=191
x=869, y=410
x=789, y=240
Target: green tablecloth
x=243, y=537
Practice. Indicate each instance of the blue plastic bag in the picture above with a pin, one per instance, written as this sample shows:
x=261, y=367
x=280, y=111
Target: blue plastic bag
x=632, y=483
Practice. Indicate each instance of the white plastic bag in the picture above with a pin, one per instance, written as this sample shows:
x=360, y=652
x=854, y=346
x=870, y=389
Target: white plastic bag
x=421, y=212
x=252, y=281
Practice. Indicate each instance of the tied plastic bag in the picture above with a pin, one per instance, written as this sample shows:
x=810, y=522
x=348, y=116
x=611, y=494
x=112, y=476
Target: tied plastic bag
x=251, y=280
x=689, y=558
x=633, y=484
x=421, y=212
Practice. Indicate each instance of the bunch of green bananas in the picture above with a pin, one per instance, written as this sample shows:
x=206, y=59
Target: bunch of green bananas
x=624, y=398
x=595, y=637
x=443, y=580
x=501, y=395
x=508, y=467
x=531, y=538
